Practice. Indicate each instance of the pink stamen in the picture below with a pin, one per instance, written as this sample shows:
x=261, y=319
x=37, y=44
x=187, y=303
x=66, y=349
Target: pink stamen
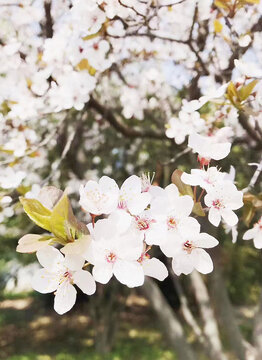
x=217, y=204
x=111, y=258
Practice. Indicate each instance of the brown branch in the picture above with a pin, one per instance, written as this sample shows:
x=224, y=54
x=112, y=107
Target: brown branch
x=243, y=120
x=125, y=130
x=150, y=35
x=49, y=20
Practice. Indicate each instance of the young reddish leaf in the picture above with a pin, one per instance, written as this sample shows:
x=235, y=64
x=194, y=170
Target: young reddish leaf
x=183, y=188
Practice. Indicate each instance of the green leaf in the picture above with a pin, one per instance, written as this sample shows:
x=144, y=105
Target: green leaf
x=248, y=213
x=38, y=213
x=64, y=224
x=198, y=210
x=183, y=188
x=246, y=90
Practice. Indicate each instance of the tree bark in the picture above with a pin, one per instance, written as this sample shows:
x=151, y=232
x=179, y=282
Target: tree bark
x=208, y=317
x=225, y=314
x=258, y=330
x=170, y=324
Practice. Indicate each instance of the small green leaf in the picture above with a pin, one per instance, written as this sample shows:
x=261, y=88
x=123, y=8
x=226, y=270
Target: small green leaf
x=38, y=213
x=247, y=90
x=64, y=224
x=183, y=188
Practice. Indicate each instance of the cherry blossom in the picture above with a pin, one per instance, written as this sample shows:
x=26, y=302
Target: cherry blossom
x=99, y=198
x=206, y=179
x=58, y=275
x=116, y=251
x=153, y=267
x=255, y=233
x=222, y=200
x=189, y=254
x=171, y=212
x=131, y=197
x=208, y=148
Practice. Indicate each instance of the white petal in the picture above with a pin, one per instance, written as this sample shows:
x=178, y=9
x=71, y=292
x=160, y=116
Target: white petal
x=109, y=187
x=229, y=217
x=79, y=246
x=85, y=281
x=202, y=261
x=189, y=227
x=30, y=243
x=205, y=241
x=191, y=179
x=182, y=264
x=214, y=216
x=250, y=234
x=184, y=205
x=121, y=219
x=220, y=150
x=155, y=268
x=258, y=241
x=131, y=186
x=65, y=298
x=172, y=192
x=102, y=272
x=138, y=203
x=50, y=258
x=130, y=247
x=74, y=262
x=208, y=199
x=129, y=273
x=44, y=281
x=156, y=235
x=173, y=244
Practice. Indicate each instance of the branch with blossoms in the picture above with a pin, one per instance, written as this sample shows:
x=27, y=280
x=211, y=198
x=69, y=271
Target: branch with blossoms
x=126, y=223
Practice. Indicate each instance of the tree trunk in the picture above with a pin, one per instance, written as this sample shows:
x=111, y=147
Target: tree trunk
x=225, y=313
x=208, y=317
x=170, y=324
x=258, y=330
x=104, y=308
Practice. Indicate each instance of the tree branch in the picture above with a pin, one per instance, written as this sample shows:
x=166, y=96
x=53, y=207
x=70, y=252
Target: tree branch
x=125, y=130
x=49, y=20
x=168, y=320
x=208, y=316
x=251, y=132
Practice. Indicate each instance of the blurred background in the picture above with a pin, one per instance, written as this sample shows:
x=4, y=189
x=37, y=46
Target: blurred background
x=70, y=113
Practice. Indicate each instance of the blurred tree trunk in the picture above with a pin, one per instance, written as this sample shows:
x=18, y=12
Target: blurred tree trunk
x=208, y=317
x=170, y=324
x=258, y=330
x=225, y=311
x=105, y=312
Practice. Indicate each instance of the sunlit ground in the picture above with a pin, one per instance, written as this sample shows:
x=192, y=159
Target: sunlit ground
x=31, y=330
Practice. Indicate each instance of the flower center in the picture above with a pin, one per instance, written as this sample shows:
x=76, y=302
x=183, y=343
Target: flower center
x=143, y=257
x=143, y=223
x=111, y=258
x=122, y=203
x=66, y=276
x=218, y=204
x=171, y=223
x=188, y=246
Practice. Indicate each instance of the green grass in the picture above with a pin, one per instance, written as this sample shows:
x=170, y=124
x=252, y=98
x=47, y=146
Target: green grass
x=33, y=331
x=123, y=352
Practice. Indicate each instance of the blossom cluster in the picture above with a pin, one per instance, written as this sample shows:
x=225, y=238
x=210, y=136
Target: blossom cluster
x=127, y=222
x=133, y=54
